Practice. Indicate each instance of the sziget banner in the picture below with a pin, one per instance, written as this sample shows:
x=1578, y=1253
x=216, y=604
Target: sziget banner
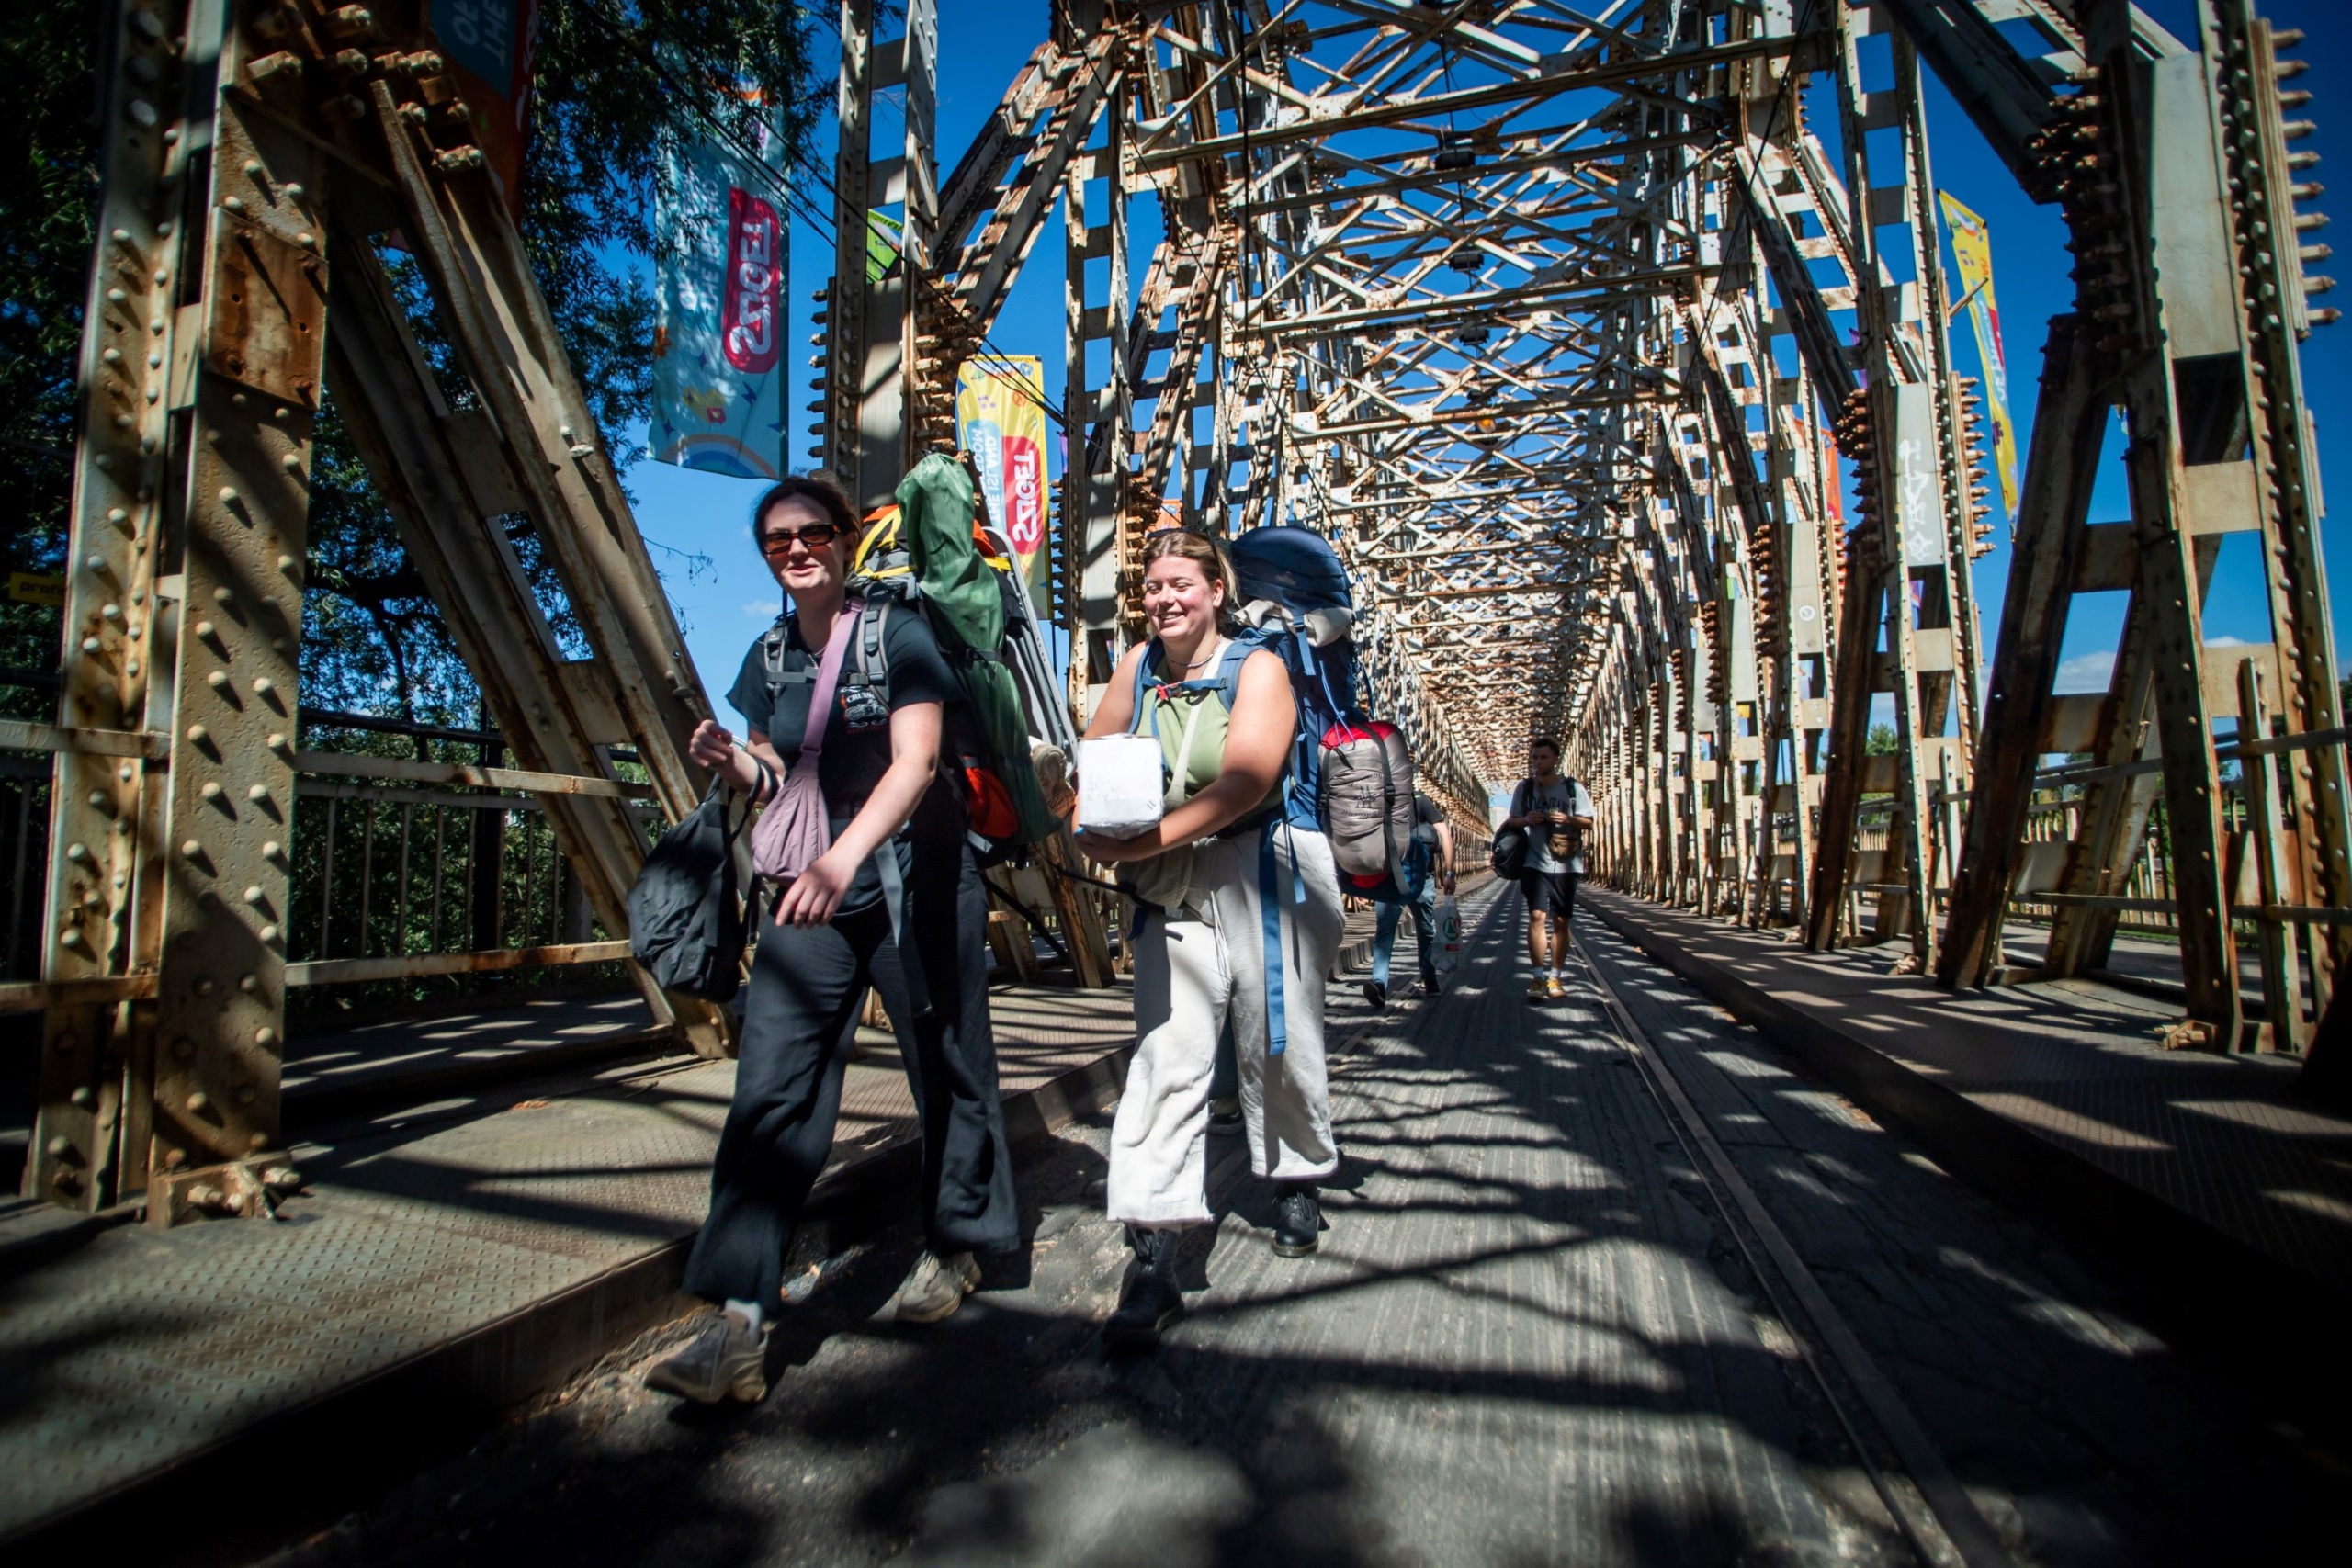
x=1001, y=420
x=719, y=377
x=489, y=44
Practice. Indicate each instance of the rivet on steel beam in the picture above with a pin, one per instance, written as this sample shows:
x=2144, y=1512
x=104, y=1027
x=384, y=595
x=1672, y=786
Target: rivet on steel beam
x=197, y=735
x=98, y=801
x=269, y=933
x=264, y=685
x=257, y=1140
x=82, y=1098
x=70, y=937
x=276, y=743
x=205, y=629
x=120, y=518
x=292, y=463
x=78, y=854
x=199, y=1101
x=110, y=612
x=59, y=1147
x=235, y=203
x=91, y=645
x=249, y=983
x=204, y=985
x=190, y=849
x=255, y=896
x=252, y=167
x=218, y=680
x=265, y=1036
x=257, y=792
x=228, y=496
x=115, y=297
x=211, y=790
x=222, y=596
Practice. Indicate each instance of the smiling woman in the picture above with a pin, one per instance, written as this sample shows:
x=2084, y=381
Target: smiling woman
x=878, y=889
x=1237, y=923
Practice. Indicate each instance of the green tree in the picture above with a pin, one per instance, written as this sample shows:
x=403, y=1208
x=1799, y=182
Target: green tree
x=602, y=102
x=48, y=189
x=1879, y=742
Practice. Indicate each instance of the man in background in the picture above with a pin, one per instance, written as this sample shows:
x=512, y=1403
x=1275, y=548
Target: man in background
x=1555, y=811
x=1435, y=836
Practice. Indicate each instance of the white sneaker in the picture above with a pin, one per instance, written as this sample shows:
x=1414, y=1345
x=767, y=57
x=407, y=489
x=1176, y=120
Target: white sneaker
x=726, y=1361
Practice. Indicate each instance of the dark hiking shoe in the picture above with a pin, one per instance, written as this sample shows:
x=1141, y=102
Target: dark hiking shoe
x=1298, y=1221
x=727, y=1360
x=1151, y=1300
x=933, y=1288
x=1224, y=1113
x=1378, y=994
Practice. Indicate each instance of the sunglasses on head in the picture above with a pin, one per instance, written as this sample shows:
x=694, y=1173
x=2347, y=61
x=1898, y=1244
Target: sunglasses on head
x=778, y=543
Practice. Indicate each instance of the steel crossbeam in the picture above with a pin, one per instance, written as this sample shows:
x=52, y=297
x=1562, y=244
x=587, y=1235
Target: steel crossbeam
x=1565, y=325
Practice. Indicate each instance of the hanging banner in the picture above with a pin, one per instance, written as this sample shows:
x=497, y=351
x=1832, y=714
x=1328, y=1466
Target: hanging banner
x=489, y=44
x=1972, y=245
x=1001, y=420
x=718, y=373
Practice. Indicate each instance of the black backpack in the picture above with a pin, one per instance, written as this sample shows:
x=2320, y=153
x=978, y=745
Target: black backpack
x=685, y=912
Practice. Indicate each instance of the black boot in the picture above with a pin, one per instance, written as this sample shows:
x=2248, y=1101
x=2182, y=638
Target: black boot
x=1151, y=1300
x=1298, y=1219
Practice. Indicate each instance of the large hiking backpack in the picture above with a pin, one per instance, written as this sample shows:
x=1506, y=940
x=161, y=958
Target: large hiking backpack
x=1352, y=775
x=930, y=553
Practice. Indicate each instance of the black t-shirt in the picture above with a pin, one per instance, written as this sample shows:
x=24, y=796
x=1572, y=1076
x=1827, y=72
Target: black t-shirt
x=1426, y=816
x=857, y=738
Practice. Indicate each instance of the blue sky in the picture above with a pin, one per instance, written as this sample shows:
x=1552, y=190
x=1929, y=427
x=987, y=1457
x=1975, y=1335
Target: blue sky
x=727, y=605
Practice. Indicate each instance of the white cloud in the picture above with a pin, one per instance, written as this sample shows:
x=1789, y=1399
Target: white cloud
x=2085, y=671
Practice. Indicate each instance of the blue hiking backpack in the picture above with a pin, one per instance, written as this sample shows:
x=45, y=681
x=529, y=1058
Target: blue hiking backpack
x=1294, y=594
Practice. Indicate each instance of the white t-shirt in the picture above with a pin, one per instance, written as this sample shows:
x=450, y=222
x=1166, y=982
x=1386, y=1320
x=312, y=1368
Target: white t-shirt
x=1560, y=794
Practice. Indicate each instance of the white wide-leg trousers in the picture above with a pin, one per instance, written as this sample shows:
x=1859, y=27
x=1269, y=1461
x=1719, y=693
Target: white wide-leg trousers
x=1192, y=975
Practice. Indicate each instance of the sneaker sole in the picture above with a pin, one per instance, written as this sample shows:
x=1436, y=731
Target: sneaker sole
x=928, y=1314
x=1294, y=1249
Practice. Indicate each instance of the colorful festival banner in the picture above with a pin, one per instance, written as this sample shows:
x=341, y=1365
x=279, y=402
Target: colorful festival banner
x=718, y=373
x=1001, y=420
x=1972, y=245
x=490, y=43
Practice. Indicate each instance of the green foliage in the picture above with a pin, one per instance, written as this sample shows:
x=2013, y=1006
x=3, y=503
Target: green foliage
x=48, y=190
x=372, y=638
x=1880, y=741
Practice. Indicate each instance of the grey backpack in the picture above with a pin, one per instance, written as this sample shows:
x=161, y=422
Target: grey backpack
x=1366, y=791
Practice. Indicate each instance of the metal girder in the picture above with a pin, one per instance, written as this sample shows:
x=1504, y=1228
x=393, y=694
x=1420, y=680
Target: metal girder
x=248, y=164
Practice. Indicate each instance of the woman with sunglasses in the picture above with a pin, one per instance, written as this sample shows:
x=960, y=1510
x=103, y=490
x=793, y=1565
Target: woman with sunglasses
x=834, y=931
x=1208, y=947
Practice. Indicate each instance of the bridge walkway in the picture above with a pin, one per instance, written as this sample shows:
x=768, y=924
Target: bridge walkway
x=1544, y=1326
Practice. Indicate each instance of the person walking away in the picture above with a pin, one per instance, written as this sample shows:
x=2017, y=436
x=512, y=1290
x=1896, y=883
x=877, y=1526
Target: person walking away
x=1435, y=835
x=895, y=903
x=1555, y=812
x=1236, y=919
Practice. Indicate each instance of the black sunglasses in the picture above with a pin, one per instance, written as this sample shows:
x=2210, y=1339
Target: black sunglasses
x=777, y=544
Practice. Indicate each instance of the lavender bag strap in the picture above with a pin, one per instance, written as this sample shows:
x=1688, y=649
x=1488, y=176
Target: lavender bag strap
x=829, y=676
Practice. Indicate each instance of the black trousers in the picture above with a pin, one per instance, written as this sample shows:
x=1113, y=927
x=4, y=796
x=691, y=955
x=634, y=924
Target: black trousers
x=799, y=1021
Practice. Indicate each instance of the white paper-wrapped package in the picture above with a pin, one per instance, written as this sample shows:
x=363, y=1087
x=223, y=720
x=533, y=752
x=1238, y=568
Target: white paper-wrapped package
x=1120, y=785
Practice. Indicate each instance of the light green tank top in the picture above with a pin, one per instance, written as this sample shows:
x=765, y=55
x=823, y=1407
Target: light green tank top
x=1193, y=725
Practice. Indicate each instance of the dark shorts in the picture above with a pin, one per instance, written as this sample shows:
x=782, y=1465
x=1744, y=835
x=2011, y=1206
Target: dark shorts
x=1550, y=891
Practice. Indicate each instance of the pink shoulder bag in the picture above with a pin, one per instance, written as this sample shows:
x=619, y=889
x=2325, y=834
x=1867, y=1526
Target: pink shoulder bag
x=794, y=831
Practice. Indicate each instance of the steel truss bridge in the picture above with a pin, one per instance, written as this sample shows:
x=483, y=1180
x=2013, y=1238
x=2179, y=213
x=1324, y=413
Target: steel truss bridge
x=1566, y=324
